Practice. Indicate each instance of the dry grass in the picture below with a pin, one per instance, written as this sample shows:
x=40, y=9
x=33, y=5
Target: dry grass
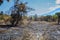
x=53, y=23
x=28, y=35
x=5, y=19
x=24, y=23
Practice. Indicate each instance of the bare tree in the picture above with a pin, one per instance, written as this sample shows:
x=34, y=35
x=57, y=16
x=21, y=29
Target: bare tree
x=19, y=10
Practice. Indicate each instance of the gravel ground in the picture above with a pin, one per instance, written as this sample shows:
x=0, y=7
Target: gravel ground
x=45, y=27
x=35, y=28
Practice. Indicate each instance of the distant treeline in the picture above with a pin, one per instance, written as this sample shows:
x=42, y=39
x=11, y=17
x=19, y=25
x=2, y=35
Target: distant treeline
x=49, y=18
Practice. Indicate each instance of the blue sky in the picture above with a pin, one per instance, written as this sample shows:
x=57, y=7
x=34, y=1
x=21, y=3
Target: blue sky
x=41, y=6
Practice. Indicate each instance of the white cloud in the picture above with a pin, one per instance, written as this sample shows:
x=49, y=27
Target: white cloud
x=53, y=8
x=57, y=1
x=38, y=11
x=44, y=11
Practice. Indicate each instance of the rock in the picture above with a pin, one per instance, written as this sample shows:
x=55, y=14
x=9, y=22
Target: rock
x=2, y=30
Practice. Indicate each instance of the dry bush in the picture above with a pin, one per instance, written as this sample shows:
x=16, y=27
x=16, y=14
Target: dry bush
x=24, y=22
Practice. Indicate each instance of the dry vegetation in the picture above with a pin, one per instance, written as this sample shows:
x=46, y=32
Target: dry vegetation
x=4, y=19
